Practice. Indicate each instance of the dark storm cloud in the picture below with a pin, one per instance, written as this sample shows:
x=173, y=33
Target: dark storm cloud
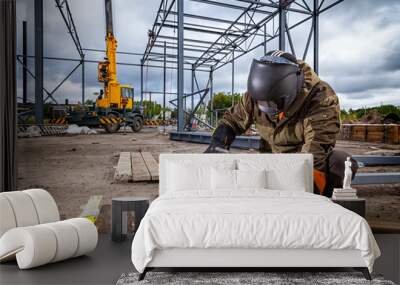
x=359, y=47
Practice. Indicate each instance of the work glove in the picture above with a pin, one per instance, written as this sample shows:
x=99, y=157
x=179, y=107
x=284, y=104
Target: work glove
x=221, y=140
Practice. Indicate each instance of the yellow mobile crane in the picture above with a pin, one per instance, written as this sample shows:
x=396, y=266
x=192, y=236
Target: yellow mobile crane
x=115, y=100
x=114, y=106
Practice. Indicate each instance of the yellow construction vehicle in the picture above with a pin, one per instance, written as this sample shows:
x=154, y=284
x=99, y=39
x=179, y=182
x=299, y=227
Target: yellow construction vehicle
x=115, y=100
x=114, y=106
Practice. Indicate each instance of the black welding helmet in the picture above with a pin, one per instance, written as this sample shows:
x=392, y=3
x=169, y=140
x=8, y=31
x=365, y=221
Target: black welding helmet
x=274, y=81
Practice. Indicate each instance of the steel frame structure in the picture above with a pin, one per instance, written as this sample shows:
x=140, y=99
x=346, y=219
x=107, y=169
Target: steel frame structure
x=37, y=74
x=243, y=34
x=66, y=15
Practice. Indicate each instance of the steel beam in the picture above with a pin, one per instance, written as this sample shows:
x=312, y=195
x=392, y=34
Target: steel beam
x=164, y=80
x=83, y=82
x=376, y=178
x=233, y=78
x=25, y=63
x=241, y=142
x=237, y=7
x=66, y=14
x=282, y=25
x=192, y=87
x=33, y=76
x=141, y=83
x=211, y=96
x=374, y=160
x=180, y=74
x=316, y=35
x=39, y=61
x=205, y=18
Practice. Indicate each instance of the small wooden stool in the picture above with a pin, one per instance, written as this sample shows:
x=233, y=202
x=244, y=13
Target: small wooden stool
x=119, y=219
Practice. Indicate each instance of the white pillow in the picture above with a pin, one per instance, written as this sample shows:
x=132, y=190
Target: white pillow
x=251, y=178
x=286, y=174
x=186, y=176
x=223, y=179
x=278, y=179
x=230, y=180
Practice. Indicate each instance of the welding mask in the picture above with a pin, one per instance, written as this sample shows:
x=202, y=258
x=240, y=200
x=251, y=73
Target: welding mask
x=274, y=82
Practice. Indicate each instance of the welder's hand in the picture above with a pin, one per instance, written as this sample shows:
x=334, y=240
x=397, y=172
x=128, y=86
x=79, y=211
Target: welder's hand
x=216, y=149
x=221, y=140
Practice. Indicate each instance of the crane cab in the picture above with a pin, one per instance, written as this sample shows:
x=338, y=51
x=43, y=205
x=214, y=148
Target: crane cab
x=117, y=97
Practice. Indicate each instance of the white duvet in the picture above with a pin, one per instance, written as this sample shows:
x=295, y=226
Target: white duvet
x=250, y=219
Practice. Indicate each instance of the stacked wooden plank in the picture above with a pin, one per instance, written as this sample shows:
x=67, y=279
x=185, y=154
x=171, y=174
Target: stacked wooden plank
x=378, y=133
x=136, y=166
x=123, y=172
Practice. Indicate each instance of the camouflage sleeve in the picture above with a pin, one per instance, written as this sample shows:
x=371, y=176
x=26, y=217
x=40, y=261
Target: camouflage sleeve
x=321, y=126
x=240, y=116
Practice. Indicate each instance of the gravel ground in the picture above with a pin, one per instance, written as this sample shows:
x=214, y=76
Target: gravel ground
x=72, y=168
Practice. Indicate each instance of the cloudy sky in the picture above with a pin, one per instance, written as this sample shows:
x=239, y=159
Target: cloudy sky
x=359, y=48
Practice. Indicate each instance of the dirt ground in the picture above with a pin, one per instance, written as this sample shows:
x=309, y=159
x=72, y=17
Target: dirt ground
x=72, y=168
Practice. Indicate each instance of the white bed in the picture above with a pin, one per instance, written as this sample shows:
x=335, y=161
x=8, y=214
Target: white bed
x=267, y=218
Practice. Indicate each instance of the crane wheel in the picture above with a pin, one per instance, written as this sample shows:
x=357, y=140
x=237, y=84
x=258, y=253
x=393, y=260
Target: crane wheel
x=137, y=124
x=114, y=126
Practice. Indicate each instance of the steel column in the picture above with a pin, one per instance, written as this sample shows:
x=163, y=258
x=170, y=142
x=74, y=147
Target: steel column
x=180, y=65
x=233, y=77
x=192, y=103
x=211, y=96
x=316, y=35
x=141, y=83
x=164, y=80
x=265, y=39
x=282, y=25
x=39, y=61
x=24, y=63
x=83, y=82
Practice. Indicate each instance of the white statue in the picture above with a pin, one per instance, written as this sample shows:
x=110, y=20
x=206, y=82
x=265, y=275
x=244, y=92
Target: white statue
x=347, y=174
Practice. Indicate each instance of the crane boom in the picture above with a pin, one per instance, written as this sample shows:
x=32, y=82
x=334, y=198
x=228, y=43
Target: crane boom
x=114, y=96
x=109, y=20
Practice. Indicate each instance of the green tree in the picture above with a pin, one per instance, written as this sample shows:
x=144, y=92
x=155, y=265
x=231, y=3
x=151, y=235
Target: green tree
x=222, y=101
x=89, y=102
x=150, y=108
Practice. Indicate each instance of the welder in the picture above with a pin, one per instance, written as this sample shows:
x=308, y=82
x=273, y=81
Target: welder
x=294, y=111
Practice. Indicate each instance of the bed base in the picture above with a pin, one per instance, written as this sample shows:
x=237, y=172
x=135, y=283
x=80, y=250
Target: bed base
x=242, y=259
x=363, y=270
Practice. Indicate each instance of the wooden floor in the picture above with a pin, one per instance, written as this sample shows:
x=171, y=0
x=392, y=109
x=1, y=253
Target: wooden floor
x=103, y=266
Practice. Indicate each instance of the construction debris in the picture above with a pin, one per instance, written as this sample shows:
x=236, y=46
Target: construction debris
x=31, y=131
x=76, y=130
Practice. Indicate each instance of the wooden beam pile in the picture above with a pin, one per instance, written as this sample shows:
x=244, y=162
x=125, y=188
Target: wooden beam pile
x=135, y=167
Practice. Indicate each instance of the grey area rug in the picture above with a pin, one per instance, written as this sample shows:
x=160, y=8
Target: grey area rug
x=228, y=278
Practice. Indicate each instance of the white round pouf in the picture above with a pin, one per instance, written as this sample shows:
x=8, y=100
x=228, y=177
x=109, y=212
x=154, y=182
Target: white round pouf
x=67, y=240
x=7, y=216
x=23, y=208
x=33, y=246
x=87, y=234
x=46, y=207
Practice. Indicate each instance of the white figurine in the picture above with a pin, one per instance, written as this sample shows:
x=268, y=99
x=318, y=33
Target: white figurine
x=347, y=174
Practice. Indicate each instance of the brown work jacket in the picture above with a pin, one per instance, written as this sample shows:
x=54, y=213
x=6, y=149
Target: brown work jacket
x=310, y=125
